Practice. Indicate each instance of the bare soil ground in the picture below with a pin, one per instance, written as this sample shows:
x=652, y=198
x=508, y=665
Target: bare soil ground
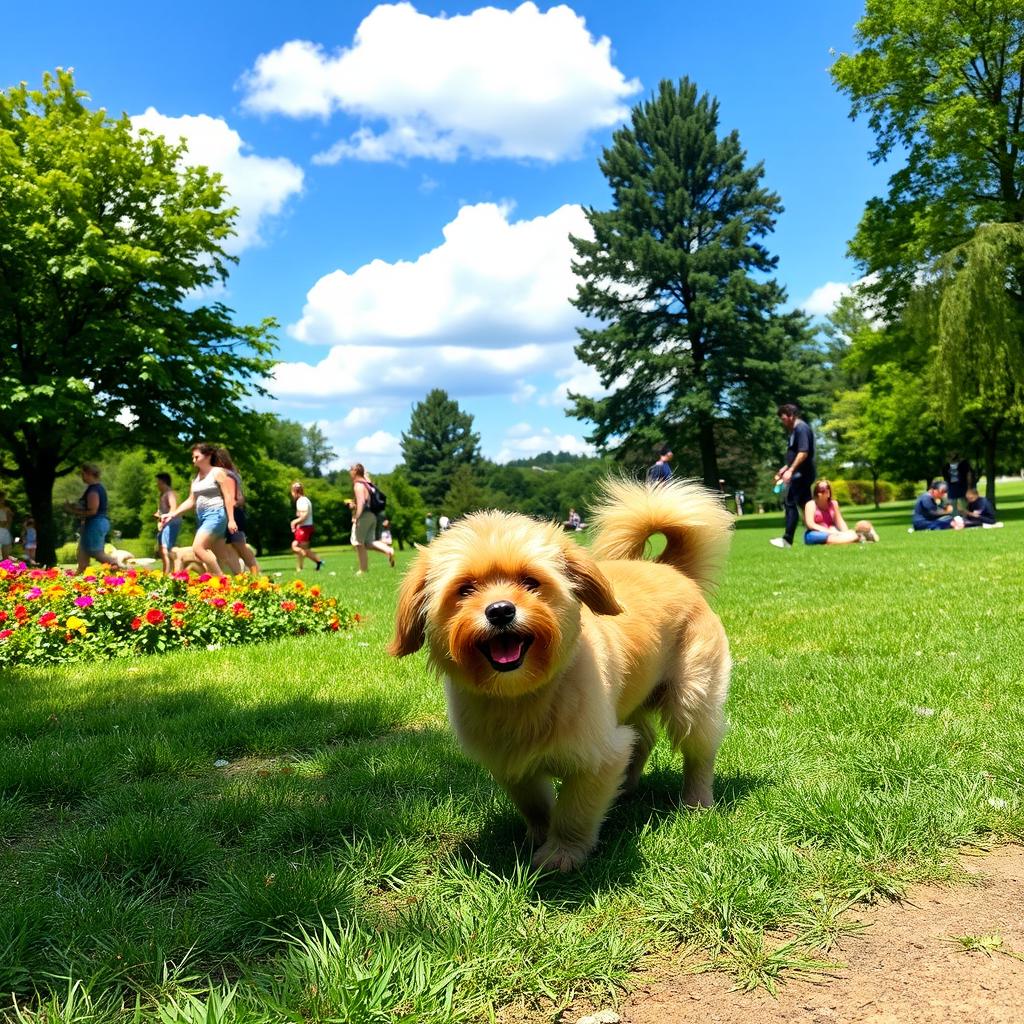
x=906, y=965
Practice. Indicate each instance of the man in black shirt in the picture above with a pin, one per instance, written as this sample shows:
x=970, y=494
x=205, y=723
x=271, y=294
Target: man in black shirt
x=798, y=472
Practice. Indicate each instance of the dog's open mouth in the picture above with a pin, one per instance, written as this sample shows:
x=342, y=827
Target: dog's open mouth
x=505, y=651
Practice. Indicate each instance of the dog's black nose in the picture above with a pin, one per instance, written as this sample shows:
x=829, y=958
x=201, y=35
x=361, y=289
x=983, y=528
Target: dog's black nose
x=501, y=613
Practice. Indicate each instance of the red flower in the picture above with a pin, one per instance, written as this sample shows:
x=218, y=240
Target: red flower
x=238, y=607
x=4, y=634
x=154, y=616
x=179, y=606
x=136, y=623
x=288, y=606
x=47, y=618
x=21, y=612
x=335, y=624
x=3, y=616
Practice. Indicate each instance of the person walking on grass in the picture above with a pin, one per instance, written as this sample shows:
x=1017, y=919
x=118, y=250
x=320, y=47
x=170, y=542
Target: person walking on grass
x=302, y=529
x=212, y=495
x=91, y=509
x=237, y=540
x=364, y=522
x=166, y=536
x=798, y=472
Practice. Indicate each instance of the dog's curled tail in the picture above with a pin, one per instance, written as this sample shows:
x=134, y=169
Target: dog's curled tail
x=696, y=525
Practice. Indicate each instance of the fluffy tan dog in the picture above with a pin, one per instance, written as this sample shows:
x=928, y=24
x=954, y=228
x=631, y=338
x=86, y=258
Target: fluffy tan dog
x=184, y=559
x=555, y=658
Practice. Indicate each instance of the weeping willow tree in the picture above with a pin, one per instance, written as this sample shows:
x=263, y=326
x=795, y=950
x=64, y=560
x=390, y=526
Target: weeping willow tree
x=971, y=305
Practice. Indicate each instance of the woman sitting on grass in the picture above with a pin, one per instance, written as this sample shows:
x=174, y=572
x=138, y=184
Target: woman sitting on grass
x=825, y=523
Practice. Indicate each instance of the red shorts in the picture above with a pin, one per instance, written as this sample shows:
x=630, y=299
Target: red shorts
x=304, y=534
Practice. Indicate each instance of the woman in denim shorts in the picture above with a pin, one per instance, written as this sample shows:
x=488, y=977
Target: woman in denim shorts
x=91, y=508
x=212, y=495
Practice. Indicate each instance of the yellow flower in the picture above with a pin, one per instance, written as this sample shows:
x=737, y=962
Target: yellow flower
x=74, y=622
x=132, y=590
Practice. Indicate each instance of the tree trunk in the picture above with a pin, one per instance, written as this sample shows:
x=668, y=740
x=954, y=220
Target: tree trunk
x=708, y=452
x=39, y=478
x=874, y=485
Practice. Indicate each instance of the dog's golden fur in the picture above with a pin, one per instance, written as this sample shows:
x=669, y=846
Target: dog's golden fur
x=595, y=644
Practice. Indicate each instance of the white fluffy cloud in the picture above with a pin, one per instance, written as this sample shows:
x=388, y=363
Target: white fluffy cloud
x=384, y=372
x=521, y=440
x=259, y=186
x=491, y=283
x=492, y=83
x=823, y=299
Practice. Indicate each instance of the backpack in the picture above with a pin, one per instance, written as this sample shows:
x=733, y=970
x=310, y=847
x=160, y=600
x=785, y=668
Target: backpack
x=376, y=499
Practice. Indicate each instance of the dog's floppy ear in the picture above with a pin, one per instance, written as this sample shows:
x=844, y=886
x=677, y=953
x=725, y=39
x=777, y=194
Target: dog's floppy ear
x=590, y=585
x=409, y=617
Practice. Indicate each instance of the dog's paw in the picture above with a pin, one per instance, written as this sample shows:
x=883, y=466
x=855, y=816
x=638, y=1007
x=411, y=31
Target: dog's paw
x=556, y=856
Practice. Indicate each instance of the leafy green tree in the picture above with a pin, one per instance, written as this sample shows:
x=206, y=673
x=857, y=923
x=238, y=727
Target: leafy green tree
x=971, y=306
x=317, y=450
x=677, y=273
x=464, y=494
x=440, y=439
x=942, y=83
x=106, y=239
x=283, y=441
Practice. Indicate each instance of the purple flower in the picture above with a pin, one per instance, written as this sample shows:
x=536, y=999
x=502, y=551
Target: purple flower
x=33, y=594
x=84, y=601
x=113, y=581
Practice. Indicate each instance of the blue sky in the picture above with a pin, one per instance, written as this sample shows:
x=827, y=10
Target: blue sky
x=407, y=174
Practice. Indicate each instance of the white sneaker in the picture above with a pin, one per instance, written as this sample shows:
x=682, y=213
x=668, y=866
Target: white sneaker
x=780, y=542
x=992, y=526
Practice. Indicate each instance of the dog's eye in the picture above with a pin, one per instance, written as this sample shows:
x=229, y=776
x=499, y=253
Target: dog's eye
x=530, y=583
x=466, y=589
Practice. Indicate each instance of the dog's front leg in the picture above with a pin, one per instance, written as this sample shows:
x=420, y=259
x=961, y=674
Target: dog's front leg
x=535, y=798
x=582, y=805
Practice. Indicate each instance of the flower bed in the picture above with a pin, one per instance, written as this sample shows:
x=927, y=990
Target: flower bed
x=51, y=617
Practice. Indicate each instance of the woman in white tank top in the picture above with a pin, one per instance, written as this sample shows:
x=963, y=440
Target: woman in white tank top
x=212, y=495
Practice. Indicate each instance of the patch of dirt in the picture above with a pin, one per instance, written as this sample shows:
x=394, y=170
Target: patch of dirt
x=904, y=966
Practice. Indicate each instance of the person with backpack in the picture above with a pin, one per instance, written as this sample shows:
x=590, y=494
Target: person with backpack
x=368, y=502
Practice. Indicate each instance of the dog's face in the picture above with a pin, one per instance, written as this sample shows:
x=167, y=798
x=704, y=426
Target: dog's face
x=497, y=599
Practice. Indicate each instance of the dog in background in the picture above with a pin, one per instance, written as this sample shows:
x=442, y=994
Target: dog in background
x=556, y=659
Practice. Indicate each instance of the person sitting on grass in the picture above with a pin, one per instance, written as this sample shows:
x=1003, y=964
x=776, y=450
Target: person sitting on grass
x=979, y=511
x=825, y=524
x=932, y=512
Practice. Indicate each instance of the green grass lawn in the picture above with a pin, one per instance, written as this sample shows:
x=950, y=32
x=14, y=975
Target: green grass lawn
x=347, y=863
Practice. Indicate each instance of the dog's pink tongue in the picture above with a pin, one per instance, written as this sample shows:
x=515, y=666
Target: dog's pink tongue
x=506, y=649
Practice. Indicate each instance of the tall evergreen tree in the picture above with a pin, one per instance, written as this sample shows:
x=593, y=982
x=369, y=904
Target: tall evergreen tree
x=439, y=440
x=676, y=273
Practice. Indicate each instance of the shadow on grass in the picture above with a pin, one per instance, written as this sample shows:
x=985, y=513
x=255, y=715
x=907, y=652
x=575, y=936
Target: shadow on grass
x=501, y=845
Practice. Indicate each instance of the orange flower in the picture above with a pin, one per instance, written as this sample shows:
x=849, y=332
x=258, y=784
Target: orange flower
x=288, y=606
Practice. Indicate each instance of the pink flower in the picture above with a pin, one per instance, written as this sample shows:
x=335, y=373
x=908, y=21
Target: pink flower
x=218, y=602
x=84, y=601
x=204, y=577
x=33, y=594
x=5, y=633
x=113, y=581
